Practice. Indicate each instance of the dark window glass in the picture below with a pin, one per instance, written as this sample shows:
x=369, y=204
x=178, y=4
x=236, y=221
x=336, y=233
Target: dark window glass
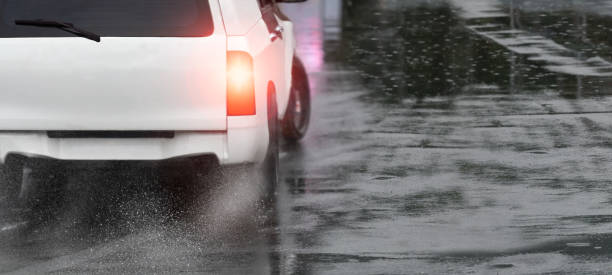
x=122, y=18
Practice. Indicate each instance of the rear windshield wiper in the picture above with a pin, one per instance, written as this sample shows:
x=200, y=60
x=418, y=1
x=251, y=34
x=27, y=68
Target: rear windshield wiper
x=68, y=27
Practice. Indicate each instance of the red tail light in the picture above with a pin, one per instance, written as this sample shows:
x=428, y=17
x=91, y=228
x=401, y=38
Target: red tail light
x=240, y=84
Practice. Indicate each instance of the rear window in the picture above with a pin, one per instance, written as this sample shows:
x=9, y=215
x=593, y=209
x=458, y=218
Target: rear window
x=120, y=18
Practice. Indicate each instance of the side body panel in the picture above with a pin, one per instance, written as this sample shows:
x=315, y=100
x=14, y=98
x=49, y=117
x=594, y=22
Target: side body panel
x=290, y=44
x=256, y=43
x=249, y=30
x=239, y=16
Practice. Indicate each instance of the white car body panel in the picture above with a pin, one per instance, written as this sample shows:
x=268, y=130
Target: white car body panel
x=239, y=16
x=142, y=84
x=243, y=143
x=268, y=61
x=290, y=44
x=119, y=84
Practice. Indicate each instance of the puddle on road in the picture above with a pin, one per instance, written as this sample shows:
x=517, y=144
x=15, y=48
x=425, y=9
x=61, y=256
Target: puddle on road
x=485, y=133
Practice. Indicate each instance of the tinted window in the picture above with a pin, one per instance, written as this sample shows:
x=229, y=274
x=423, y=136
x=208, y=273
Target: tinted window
x=109, y=17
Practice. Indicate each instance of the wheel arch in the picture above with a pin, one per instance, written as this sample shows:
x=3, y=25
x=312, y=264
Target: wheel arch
x=272, y=91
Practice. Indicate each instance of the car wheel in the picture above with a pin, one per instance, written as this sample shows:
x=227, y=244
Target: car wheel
x=31, y=191
x=271, y=163
x=255, y=182
x=297, y=117
x=10, y=186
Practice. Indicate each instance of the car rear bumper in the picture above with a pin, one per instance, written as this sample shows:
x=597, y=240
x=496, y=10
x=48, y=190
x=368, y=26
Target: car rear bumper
x=245, y=141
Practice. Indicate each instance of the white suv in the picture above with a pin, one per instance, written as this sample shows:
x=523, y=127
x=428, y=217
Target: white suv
x=146, y=80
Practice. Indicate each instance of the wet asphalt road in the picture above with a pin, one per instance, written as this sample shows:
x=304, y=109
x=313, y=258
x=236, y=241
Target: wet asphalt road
x=448, y=137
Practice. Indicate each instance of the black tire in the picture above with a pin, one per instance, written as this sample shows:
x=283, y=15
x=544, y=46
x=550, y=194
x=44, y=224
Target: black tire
x=260, y=179
x=297, y=116
x=271, y=163
x=41, y=193
x=10, y=185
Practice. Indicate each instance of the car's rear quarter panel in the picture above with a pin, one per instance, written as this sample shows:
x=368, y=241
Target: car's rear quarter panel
x=248, y=32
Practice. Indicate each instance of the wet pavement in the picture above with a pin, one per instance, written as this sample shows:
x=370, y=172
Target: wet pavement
x=448, y=137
